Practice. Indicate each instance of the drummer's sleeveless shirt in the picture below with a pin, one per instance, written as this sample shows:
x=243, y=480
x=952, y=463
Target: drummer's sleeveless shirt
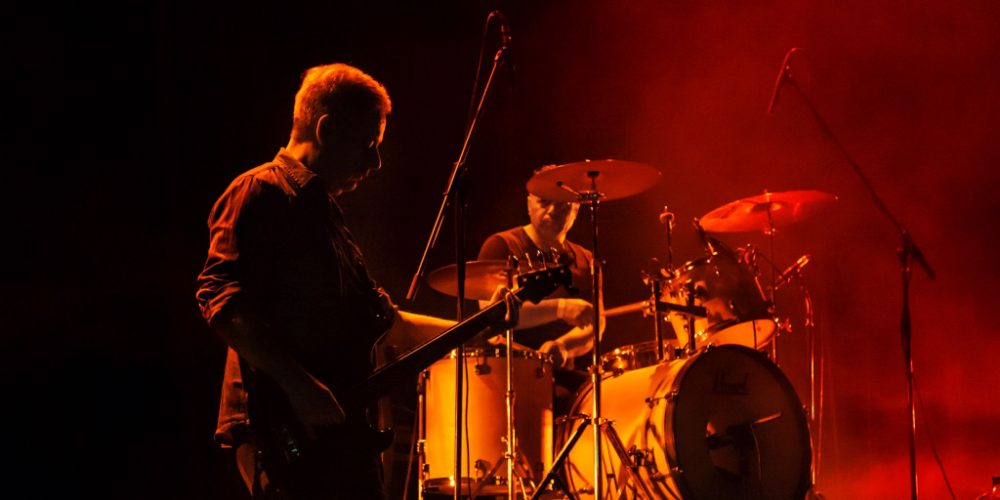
x=516, y=242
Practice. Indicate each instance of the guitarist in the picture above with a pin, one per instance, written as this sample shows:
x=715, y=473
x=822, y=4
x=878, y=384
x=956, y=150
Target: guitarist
x=287, y=289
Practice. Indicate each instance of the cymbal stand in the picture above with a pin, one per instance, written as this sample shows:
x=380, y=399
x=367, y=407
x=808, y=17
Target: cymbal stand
x=770, y=230
x=690, y=349
x=667, y=219
x=653, y=280
x=602, y=428
x=510, y=454
x=815, y=418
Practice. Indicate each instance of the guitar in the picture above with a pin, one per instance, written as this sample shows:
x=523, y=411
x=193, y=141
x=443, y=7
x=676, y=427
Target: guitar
x=279, y=436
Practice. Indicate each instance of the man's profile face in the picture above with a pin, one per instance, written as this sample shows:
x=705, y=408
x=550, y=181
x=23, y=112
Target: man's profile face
x=551, y=218
x=350, y=151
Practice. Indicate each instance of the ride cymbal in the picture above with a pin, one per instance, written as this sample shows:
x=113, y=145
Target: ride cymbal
x=481, y=278
x=601, y=179
x=758, y=212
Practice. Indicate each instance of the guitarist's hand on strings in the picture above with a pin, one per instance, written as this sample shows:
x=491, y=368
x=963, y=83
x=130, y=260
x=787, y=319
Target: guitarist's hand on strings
x=509, y=320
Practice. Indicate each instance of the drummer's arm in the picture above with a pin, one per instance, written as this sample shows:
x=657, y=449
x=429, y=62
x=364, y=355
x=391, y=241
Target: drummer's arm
x=573, y=343
x=577, y=312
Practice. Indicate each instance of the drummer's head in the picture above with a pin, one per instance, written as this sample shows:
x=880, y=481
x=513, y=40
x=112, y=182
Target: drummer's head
x=553, y=219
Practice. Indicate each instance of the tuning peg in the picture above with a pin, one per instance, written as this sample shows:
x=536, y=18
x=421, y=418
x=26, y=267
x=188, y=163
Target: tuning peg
x=541, y=258
x=527, y=257
x=512, y=264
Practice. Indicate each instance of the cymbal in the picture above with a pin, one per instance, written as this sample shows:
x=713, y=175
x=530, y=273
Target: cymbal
x=482, y=278
x=751, y=214
x=614, y=179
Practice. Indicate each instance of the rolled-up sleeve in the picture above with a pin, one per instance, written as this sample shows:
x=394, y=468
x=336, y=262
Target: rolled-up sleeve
x=236, y=227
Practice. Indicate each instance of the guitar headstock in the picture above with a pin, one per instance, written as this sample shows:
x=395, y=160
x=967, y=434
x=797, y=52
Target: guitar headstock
x=537, y=285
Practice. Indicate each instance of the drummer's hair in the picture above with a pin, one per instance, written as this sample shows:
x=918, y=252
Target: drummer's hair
x=336, y=89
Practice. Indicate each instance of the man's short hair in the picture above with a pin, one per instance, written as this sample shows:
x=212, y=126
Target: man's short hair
x=336, y=90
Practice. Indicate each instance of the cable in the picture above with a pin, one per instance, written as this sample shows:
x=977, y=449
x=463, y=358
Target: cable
x=465, y=421
x=930, y=438
x=414, y=436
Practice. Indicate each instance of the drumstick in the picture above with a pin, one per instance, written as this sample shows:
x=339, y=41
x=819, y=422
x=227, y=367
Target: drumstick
x=627, y=308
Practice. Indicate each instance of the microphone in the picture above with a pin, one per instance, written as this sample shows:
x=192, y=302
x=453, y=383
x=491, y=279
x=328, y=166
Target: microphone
x=791, y=272
x=507, y=51
x=783, y=76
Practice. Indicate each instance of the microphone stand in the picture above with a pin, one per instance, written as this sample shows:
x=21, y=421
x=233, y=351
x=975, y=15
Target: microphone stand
x=456, y=191
x=908, y=252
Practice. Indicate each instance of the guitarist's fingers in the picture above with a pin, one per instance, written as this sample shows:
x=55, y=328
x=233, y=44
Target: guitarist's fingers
x=513, y=306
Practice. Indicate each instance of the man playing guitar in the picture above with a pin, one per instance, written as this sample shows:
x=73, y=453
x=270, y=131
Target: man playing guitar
x=287, y=289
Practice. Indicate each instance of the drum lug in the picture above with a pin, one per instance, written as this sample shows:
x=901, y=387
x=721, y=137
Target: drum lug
x=482, y=367
x=639, y=457
x=420, y=447
x=670, y=396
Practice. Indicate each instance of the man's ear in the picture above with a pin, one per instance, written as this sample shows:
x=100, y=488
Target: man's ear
x=323, y=128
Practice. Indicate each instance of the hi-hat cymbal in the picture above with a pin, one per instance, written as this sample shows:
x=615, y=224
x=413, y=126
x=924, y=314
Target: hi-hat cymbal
x=612, y=179
x=751, y=214
x=482, y=278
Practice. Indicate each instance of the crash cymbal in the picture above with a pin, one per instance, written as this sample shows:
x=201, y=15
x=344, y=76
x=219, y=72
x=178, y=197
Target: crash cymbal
x=482, y=278
x=613, y=179
x=751, y=214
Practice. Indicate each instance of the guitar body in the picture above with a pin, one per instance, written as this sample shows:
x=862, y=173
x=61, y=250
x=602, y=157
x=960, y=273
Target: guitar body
x=298, y=467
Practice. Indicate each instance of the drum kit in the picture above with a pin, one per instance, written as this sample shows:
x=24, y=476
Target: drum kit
x=706, y=415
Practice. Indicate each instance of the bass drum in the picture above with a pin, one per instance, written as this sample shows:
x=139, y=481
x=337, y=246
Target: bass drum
x=487, y=417
x=722, y=424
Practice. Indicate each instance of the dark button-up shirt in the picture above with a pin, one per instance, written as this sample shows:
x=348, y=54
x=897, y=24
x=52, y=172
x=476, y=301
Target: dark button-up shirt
x=280, y=252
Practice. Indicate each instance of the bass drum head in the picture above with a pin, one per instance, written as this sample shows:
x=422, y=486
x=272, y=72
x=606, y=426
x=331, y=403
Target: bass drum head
x=723, y=424
x=761, y=436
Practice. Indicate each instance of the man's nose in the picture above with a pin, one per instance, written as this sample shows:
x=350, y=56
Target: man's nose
x=375, y=162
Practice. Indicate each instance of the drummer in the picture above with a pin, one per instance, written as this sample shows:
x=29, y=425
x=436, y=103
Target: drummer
x=559, y=325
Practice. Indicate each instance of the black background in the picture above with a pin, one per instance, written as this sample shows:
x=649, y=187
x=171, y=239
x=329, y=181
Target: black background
x=122, y=123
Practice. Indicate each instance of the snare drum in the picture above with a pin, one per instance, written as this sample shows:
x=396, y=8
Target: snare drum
x=724, y=423
x=728, y=289
x=486, y=386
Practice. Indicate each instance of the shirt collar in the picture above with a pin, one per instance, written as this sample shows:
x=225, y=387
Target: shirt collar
x=295, y=168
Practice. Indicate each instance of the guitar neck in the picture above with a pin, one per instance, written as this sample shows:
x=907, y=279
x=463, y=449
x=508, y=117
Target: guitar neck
x=423, y=356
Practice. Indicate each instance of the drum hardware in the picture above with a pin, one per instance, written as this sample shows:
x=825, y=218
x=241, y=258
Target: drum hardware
x=689, y=289
x=653, y=280
x=794, y=273
x=667, y=219
x=766, y=212
x=578, y=182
